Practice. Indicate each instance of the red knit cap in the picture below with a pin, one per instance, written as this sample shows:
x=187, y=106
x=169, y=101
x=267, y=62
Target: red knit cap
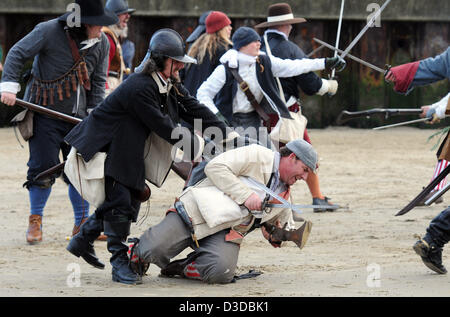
x=216, y=21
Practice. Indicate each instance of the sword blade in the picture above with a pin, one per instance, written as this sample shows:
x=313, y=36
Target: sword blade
x=401, y=124
x=433, y=198
x=331, y=47
x=424, y=192
x=368, y=25
x=273, y=194
x=302, y=206
x=315, y=51
x=338, y=35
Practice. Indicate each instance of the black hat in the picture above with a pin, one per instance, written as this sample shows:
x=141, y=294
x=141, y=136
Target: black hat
x=200, y=29
x=92, y=12
x=118, y=7
x=168, y=43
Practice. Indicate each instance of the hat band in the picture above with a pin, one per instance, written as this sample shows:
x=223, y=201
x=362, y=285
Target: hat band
x=280, y=18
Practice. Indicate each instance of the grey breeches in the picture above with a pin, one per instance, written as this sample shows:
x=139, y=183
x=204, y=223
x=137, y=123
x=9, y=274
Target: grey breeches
x=215, y=261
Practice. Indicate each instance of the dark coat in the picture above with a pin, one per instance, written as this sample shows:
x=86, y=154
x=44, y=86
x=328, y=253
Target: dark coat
x=309, y=83
x=194, y=75
x=122, y=123
x=48, y=45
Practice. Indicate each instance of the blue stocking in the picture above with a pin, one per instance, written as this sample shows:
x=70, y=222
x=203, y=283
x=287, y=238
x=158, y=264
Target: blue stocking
x=38, y=199
x=80, y=206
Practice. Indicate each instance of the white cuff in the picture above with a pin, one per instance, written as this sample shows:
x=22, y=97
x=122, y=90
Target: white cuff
x=324, y=89
x=10, y=87
x=441, y=107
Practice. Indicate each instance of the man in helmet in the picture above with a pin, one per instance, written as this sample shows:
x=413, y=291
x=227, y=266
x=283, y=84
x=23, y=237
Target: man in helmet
x=116, y=33
x=150, y=102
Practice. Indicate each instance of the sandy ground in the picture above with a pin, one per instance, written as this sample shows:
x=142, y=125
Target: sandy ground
x=363, y=250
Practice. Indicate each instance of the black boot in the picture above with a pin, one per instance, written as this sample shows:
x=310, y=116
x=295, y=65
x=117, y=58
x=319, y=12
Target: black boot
x=431, y=255
x=117, y=233
x=82, y=244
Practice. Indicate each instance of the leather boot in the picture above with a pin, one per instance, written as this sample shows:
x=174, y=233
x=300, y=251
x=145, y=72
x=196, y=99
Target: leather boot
x=82, y=244
x=117, y=233
x=76, y=229
x=431, y=255
x=34, y=232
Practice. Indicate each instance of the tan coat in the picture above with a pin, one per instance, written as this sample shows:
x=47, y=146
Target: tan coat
x=219, y=196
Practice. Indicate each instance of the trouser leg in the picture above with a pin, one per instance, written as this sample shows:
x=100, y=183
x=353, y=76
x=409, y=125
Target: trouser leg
x=439, y=229
x=164, y=241
x=215, y=261
x=117, y=232
x=431, y=246
x=117, y=211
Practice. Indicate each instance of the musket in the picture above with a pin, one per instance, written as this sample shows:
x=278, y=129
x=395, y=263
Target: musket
x=345, y=115
x=181, y=169
x=419, y=198
x=48, y=112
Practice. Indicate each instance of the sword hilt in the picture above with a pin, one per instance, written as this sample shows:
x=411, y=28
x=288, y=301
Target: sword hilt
x=387, y=68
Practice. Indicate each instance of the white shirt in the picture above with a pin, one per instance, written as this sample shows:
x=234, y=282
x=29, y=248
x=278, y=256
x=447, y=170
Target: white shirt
x=441, y=106
x=247, y=69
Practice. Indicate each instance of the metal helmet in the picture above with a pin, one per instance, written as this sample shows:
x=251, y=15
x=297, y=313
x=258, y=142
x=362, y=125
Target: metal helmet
x=167, y=42
x=118, y=7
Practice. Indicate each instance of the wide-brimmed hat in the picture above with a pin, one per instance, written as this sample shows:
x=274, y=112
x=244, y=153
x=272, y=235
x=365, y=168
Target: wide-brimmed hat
x=200, y=29
x=279, y=14
x=92, y=12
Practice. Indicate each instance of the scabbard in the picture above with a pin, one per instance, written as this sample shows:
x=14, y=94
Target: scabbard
x=424, y=192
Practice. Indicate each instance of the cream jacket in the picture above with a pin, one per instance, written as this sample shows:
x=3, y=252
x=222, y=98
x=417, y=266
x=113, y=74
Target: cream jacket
x=216, y=203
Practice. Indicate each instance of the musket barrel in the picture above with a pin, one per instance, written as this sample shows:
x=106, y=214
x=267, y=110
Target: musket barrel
x=345, y=116
x=48, y=112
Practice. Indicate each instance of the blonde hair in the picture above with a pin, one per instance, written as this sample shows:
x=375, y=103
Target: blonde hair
x=209, y=43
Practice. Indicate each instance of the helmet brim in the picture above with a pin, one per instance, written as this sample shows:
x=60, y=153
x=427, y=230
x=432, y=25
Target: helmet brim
x=184, y=59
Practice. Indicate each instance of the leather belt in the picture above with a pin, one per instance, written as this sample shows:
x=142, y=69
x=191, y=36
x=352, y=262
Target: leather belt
x=251, y=98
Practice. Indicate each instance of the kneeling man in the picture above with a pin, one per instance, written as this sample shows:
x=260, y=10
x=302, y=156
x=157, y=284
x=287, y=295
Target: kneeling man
x=213, y=216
